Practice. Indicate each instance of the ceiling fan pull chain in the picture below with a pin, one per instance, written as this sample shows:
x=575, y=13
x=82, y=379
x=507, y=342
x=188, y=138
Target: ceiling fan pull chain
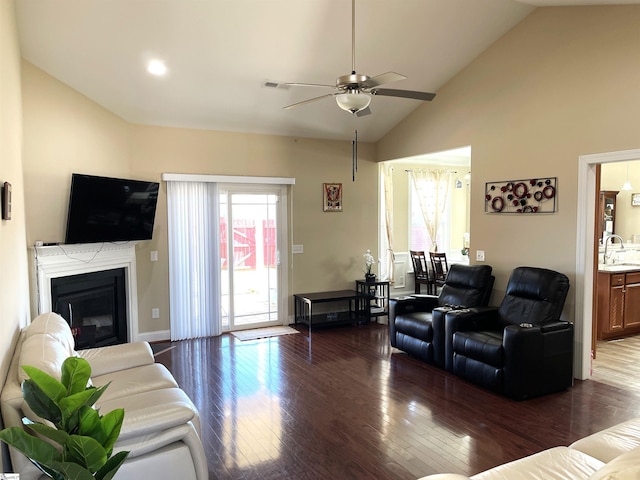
x=353, y=37
x=356, y=135
x=354, y=155
x=354, y=149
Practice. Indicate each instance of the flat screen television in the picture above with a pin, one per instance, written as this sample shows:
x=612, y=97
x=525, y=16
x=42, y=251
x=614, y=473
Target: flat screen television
x=103, y=209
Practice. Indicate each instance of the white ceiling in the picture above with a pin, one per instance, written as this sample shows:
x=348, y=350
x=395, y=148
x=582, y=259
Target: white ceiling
x=219, y=53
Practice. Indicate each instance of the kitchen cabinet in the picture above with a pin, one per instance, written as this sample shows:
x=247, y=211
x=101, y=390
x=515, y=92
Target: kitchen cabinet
x=618, y=304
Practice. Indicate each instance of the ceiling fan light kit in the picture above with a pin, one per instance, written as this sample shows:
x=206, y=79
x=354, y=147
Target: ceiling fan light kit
x=353, y=101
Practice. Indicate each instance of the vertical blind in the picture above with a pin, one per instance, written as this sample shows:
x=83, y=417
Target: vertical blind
x=194, y=254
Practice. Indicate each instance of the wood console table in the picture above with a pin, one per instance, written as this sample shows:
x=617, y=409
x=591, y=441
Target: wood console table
x=303, y=304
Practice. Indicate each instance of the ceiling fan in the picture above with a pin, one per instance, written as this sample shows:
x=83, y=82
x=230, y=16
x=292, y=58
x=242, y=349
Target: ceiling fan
x=353, y=92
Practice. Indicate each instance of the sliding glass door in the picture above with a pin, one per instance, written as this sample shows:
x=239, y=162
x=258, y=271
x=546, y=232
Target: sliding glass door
x=252, y=238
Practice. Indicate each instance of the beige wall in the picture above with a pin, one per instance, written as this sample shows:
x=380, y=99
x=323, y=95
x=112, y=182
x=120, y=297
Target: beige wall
x=65, y=132
x=14, y=299
x=562, y=83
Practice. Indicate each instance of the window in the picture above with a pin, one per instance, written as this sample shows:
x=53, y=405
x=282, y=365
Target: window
x=419, y=238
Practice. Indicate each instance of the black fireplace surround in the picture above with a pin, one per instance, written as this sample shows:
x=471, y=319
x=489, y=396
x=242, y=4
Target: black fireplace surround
x=94, y=304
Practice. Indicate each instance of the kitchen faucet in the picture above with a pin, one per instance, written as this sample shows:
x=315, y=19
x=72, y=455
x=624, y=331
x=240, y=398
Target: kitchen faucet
x=606, y=244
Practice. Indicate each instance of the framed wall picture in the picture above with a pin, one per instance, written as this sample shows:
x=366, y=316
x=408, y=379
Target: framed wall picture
x=332, y=197
x=635, y=199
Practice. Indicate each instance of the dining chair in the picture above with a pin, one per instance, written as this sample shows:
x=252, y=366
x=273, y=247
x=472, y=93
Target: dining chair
x=440, y=269
x=421, y=274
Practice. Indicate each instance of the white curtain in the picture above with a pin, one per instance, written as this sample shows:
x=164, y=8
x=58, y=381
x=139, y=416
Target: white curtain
x=388, y=257
x=194, y=259
x=432, y=187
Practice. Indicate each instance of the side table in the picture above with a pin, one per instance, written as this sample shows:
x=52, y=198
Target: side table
x=303, y=304
x=373, y=299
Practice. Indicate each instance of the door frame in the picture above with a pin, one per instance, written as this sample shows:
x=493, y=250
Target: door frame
x=282, y=224
x=585, y=245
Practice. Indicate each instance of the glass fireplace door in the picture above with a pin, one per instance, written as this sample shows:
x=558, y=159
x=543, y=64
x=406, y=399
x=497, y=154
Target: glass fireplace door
x=94, y=305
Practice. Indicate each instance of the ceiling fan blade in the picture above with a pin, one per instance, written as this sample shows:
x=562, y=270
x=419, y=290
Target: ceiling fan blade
x=382, y=79
x=299, y=84
x=403, y=94
x=310, y=100
x=363, y=112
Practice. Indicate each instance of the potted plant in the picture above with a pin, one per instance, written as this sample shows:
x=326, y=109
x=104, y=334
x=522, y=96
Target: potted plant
x=78, y=444
x=368, y=263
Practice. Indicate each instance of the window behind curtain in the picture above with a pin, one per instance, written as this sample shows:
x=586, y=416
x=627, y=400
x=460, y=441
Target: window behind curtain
x=419, y=238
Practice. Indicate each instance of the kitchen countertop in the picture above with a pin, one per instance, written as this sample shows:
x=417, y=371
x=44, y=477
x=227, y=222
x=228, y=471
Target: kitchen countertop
x=618, y=268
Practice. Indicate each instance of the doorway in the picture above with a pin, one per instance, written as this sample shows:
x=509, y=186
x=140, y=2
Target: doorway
x=618, y=234
x=252, y=225
x=585, y=248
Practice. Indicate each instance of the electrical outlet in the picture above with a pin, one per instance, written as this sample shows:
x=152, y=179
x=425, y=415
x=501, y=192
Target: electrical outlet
x=480, y=255
x=154, y=255
x=297, y=248
x=155, y=313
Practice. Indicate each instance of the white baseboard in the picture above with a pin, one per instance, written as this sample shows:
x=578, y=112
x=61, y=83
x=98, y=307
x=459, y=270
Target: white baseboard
x=157, y=336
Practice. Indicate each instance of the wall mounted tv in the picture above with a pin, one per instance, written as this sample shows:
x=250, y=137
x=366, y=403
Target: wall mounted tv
x=103, y=209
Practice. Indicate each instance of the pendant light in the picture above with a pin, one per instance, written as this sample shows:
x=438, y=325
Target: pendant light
x=627, y=185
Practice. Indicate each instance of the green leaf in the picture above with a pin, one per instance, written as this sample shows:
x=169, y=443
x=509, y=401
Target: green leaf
x=110, y=468
x=90, y=424
x=97, y=393
x=58, y=436
x=73, y=403
x=73, y=471
x=75, y=374
x=51, y=472
x=111, y=425
x=50, y=386
x=33, y=447
x=41, y=404
x=85, y=451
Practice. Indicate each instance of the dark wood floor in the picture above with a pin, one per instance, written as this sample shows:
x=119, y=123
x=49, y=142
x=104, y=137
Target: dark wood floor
x=344, y=405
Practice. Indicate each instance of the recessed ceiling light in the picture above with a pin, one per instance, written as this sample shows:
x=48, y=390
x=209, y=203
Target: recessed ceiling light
x=157, y=67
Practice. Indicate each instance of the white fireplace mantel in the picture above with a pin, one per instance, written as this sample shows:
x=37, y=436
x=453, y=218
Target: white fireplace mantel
x=55, y=261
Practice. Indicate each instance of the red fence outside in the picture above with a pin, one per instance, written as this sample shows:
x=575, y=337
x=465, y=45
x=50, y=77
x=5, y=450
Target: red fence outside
x=245, y=247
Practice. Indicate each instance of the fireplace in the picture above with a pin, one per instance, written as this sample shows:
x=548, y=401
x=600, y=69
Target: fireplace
x=93, y=286
x=94, y=305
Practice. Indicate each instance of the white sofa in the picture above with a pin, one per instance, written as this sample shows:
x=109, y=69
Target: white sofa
x=161, y=427
x=610, y=454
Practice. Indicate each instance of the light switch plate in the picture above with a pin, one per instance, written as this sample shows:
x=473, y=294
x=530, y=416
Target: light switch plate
x=154, y=255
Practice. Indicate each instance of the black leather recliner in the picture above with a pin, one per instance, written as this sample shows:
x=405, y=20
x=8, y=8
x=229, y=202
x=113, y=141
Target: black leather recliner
x=416, y=323
x=521, y=349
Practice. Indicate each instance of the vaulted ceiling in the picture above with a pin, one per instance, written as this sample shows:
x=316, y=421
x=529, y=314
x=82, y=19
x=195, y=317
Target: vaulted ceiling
x=220, y=53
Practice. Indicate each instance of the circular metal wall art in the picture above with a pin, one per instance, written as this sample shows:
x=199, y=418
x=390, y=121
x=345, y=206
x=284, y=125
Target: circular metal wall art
x=521, y=196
